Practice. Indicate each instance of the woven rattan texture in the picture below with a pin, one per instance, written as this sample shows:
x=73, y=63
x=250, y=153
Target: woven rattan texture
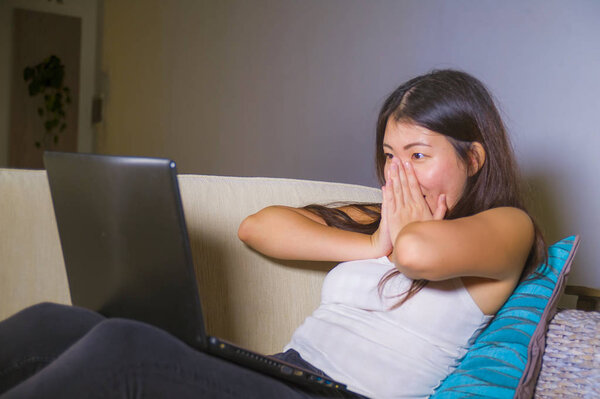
x=571, y=363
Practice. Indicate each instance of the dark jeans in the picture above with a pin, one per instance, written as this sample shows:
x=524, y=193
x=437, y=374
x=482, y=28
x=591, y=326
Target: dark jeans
x=57, y=351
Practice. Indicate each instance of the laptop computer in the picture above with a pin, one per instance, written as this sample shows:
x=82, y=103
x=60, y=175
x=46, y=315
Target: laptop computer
x=127, y=254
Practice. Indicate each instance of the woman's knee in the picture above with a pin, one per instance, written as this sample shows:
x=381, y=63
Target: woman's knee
x=41, y=311
x=119, y=340
x=118, y=330
x=51, y=319
x=35, y=336
x=130, y=334
x=47, y=317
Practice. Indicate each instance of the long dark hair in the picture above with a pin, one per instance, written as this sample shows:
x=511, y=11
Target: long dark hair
x=457, y=105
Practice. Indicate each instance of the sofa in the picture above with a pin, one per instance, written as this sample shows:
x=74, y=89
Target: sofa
x=248, y=298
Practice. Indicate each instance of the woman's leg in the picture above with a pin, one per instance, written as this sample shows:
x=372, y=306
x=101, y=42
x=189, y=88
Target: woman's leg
x=34, y=337
x=127, y=359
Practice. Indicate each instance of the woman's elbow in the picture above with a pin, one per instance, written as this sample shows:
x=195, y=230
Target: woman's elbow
x=247, y=229
x=410, y=255
x=256, y=227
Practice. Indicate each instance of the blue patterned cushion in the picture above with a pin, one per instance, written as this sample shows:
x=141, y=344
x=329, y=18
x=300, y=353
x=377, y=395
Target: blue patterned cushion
x=505, y=360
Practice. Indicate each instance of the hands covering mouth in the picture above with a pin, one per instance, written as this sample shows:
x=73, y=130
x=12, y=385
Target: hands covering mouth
x=403, y=203
x=403, y=200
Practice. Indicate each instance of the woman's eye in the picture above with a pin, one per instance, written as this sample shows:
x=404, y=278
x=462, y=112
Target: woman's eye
x=418, y=155
x=388, y=156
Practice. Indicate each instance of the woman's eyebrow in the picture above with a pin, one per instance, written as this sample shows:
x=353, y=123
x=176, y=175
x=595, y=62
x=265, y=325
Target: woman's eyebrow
x=406, y=147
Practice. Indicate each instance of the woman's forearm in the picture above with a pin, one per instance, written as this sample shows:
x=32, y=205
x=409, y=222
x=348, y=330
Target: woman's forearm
x=290, y=233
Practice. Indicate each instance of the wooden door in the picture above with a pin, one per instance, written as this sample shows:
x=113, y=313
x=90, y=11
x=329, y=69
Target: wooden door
x=37, y=36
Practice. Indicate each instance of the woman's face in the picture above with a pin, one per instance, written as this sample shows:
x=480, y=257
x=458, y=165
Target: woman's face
x=438, y=168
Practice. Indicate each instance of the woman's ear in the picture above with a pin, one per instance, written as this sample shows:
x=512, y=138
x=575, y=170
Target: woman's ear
x=476, y=157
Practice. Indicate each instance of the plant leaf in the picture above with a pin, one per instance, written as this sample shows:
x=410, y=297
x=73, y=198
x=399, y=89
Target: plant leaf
x=27, y=73
x=49, y=125
x=34, y=88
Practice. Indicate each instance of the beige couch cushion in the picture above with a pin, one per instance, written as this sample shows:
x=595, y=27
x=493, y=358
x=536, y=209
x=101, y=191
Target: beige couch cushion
x=31, y=265
x=248, y=298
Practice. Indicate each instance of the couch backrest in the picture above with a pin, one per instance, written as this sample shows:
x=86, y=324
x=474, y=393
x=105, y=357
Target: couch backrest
x=31, y=265
x=247, y=298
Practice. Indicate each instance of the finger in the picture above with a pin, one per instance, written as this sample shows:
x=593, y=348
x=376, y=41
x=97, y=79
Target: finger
x=442, y=207
x=388, y=197
x=403, y=183
x=406, y=195
x=384, y=205
x=386, y=171
x=387, y=203
x=396, y=183
x=413, y=183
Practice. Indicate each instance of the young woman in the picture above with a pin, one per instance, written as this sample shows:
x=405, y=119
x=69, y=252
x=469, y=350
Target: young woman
x=423, y=272
x=431, y=265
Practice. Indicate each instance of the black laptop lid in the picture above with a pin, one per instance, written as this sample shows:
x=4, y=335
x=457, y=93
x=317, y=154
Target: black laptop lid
x=124, y=240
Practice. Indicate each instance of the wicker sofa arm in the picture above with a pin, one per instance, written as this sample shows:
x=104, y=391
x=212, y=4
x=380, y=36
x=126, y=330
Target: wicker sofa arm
x=571, y=362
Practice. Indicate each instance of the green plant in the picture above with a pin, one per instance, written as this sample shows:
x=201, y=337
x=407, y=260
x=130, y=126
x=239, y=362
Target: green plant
x=46, y=78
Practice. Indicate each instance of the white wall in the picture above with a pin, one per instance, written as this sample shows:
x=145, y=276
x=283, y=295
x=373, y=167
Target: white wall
x=292, y=88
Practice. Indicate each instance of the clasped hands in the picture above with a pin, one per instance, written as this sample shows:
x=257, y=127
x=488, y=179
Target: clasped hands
x=403, y=203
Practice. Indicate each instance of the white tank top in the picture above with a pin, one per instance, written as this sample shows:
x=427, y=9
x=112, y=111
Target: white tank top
x=356, y=339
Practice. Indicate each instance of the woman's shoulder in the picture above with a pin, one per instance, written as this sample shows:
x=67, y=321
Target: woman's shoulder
x=509, y=220
x=511, y=227
x=508, y=211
